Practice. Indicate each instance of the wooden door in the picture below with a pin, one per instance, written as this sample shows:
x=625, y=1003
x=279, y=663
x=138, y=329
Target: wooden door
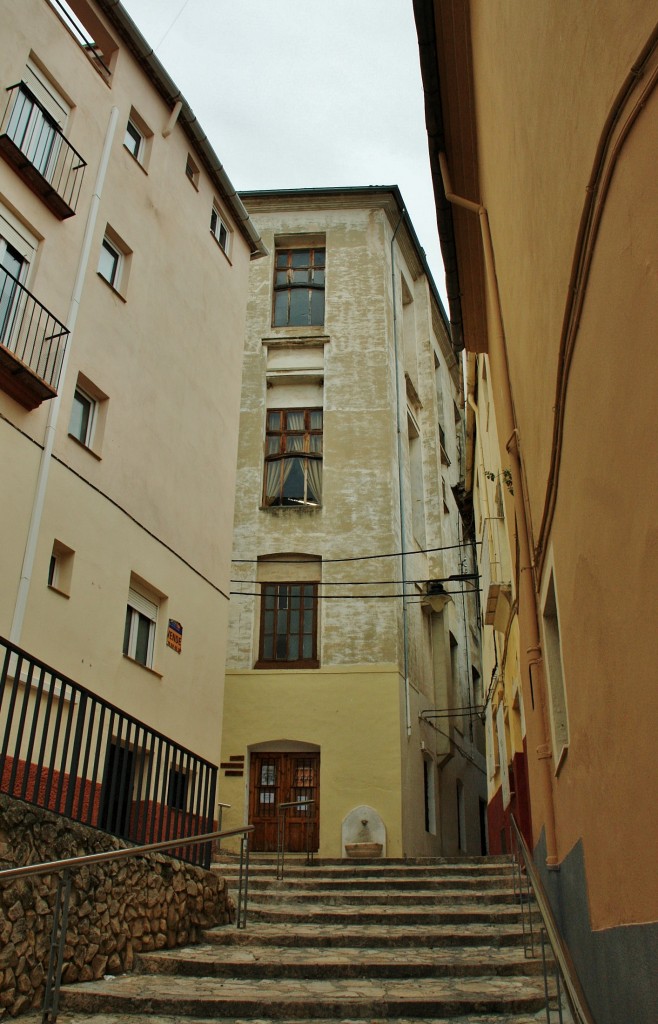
x=278, y=778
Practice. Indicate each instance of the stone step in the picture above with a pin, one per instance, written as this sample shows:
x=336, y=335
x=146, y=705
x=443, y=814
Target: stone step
x=386, y=883
x=359, y=998
x=420, y=897
x=368, y=868
x=140, y=1018
x=346, y=962
x=367, y=936
x=313, y=913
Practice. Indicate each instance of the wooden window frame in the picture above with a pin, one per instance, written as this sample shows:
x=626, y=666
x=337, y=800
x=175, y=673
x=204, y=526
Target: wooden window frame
x=287, y=282
x=285, y=452
x=274, y=589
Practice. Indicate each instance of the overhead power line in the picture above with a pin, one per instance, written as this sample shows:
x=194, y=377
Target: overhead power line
x=353, y=558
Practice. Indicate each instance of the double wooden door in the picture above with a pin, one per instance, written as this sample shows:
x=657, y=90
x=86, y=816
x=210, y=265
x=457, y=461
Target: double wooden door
x=281, y=778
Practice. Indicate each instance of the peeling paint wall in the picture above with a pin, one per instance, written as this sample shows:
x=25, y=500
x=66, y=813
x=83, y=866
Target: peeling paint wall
x=349, y=706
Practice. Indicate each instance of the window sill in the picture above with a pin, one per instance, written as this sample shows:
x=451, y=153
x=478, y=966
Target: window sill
x=111, y=286
x=221, y=248
x=56, y=590
x=86, y=447
x=300, y=336
x=283, y=509
x=136, y=160
x=147, y=668
x=289, y=666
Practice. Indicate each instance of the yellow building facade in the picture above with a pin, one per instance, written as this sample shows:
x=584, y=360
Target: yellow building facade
x=541, y=124
x=350, y=432
x=124, y=257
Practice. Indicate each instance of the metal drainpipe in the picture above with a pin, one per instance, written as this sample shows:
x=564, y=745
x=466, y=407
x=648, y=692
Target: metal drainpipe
x=527, y=593
x=53, y=413
x=405, y=630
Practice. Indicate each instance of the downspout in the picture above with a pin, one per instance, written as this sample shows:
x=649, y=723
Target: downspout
x=55, y=405
x=403, y=557
x=527, y=592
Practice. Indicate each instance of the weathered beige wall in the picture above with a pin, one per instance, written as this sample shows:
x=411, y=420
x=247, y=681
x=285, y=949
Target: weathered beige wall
x=360, y=515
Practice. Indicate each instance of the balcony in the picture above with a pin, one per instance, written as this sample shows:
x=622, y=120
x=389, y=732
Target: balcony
x=32, y=345
x=496, y=590
x=32, y=142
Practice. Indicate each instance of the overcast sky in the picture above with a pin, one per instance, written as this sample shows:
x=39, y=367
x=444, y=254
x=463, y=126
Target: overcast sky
x=304, y=93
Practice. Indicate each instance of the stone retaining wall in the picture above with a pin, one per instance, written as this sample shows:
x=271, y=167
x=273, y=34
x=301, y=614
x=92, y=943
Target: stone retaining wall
x=116, y=909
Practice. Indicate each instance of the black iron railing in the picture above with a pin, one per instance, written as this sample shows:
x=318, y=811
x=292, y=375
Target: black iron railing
x=64, y=748
x=32, y=141
x=29, y=331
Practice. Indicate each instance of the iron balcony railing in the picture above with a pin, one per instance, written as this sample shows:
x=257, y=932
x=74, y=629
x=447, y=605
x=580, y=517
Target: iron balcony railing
x=68, y=750
x=530, y=890
x=30, y=331
x=34, y=144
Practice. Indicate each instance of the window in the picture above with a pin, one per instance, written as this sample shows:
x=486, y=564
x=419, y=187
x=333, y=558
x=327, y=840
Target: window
x=139, y=632
x=37, y=120
x=60, y=568
x=219, y=230
x=299, y=288
x=293, y=457
x=13, y=272
x=134, y=141
x=192, y=172
x=288, y=634
x=555, y=673
x=109, y=264
x=177, y=789
x=83, y=417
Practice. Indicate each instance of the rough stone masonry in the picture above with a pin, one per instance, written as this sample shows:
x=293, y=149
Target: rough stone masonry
x=116, y=909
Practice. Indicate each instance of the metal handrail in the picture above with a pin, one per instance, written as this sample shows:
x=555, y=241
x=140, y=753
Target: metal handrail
x=281, y=834
x=67, y=864
x=573, y=989
x=54, y=866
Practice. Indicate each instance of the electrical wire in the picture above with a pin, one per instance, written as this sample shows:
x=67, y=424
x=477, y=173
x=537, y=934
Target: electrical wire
x=353, y=558
x=354, y=597
x=457, y=578
x=158, y=45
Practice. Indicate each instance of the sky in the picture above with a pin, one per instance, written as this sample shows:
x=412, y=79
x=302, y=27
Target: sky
x=304, y=93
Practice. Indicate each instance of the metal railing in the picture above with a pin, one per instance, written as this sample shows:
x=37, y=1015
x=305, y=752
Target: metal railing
x=71, y=752
x=30, y=331
x=529, y=887
x=32, y=141
x=64, y=867
x=281, y=814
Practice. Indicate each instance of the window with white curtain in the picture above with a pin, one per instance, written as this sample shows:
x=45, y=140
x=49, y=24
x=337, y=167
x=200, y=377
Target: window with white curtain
x=293, y=457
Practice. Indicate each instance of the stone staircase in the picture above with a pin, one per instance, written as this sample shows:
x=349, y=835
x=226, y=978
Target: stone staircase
x=425, y=940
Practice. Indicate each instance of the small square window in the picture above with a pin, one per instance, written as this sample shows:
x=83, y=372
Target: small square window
x=192, y=172
x=219, y=230
x=109, y=264
x=60, y=568
x=83, y=417
x=134, y=141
